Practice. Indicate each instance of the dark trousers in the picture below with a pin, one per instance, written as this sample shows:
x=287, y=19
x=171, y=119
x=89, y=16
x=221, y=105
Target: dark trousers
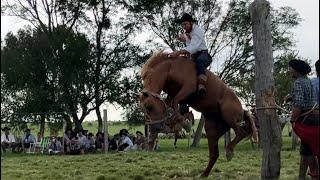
x=123, y=146
x=5, y=146
x=202, y=60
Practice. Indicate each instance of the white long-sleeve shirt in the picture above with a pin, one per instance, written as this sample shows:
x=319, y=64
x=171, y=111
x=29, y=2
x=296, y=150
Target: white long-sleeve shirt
x=125, y=140
x=9, y=139
x=197, y=41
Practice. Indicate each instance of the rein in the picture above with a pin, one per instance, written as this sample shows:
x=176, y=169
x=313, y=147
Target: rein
x=168, y=111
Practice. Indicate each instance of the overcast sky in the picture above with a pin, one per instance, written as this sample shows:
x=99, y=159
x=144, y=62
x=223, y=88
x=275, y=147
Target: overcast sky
x=306, y=35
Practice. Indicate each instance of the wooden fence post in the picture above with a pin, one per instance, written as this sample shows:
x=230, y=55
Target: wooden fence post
x=270, y=129
x=63, y=134
x=105, y=130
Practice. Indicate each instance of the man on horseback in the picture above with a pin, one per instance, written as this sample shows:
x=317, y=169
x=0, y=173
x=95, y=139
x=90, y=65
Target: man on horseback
x=194, y=38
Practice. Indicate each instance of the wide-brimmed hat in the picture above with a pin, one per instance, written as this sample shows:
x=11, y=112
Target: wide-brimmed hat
x=300, y=66
x=6, y=128
x=124, y=132
x=185, y=17
x=139, y=132
x=27, y=130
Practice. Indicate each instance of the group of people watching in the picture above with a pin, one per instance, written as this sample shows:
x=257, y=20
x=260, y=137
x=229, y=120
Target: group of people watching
x=75, y=142
x=9, y=141
x=83, y=142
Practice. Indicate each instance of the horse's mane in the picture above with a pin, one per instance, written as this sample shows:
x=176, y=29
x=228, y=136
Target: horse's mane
x=155, y=59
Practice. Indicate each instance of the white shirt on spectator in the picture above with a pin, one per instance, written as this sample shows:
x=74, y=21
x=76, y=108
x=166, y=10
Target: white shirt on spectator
x=197, y=41
x=82, y=139
x=10, y=138
x=125, y=140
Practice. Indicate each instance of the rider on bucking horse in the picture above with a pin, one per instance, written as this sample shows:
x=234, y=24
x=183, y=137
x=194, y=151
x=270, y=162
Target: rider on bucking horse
x=194, y=38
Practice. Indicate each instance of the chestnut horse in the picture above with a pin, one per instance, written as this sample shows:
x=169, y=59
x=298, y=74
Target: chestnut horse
x=220, y=106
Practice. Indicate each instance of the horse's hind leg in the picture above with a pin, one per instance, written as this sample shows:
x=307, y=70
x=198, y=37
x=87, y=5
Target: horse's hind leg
x=233, y=117
x=240, y=134
x=214, y=132
x=176, y=135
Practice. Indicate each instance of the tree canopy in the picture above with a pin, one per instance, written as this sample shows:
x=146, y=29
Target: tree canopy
x=79, y=55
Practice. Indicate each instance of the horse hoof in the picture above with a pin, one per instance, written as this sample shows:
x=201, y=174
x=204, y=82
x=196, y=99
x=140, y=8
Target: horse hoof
x=229, y=155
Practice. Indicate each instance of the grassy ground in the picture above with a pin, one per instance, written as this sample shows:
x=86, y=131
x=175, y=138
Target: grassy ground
x=167, y=163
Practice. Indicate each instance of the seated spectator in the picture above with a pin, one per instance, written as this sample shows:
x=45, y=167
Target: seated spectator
x=27, y=139
x=55, y=146
x=113, y=142
x=99, y=140
x=82, y=139
x=7, y=140
x=75, y=146
x=89, y=143
x=67, y=140
x=139, y=142
x=125, y=143
x=38, y=137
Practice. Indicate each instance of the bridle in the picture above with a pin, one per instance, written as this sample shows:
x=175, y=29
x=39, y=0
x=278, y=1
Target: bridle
x=168, y=109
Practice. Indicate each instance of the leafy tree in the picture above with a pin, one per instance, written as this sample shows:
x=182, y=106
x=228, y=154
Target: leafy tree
x=49, y=77
x=112, y=51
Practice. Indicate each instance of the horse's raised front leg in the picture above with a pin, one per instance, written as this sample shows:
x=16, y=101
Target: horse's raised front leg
x=184, y=92
x=214, y=132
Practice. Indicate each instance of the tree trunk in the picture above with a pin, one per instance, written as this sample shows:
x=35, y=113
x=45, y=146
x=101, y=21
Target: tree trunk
x=68, y=122
x=270, y=129
x=99, y=119
x=105, y=131
x=197, y=135
x=77, y=122
x=42, y=124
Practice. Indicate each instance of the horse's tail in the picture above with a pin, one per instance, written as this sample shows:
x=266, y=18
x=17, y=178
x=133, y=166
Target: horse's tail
x=250, y=126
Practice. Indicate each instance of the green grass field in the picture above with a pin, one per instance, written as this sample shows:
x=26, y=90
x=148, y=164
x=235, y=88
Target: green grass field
x=167, y=163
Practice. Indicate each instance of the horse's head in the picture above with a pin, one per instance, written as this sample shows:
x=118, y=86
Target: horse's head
x=153, y=107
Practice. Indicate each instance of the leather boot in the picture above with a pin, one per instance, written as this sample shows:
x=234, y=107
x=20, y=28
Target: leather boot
x=202, y=79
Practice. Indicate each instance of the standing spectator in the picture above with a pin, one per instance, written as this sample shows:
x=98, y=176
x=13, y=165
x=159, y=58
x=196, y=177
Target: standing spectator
x=55, y=146
x=28, y=138
x=315, y=85
x=125, y=143
x=305, y=119
x=7, y=140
